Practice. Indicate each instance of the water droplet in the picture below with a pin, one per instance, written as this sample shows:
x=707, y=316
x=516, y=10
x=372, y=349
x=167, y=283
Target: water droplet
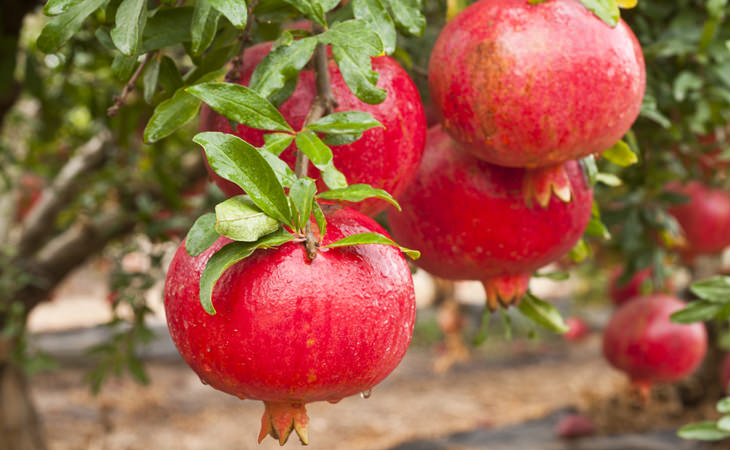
x=366, y=394
x=203, y=381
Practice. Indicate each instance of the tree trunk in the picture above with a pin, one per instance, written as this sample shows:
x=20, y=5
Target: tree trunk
x=20, y=427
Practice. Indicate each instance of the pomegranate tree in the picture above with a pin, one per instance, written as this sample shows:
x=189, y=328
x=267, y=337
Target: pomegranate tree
x=524, y=85
x=641, y=341
x=385, y=157
x=472, y=220
x=705, y=218
x=292, y=330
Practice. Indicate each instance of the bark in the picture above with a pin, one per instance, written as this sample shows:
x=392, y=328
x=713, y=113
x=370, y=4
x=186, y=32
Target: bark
x=20, y=427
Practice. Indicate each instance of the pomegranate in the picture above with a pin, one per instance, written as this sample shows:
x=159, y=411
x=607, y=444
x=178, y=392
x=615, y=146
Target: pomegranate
x=641, y=341
x=578, y=329
x=637, y=285
x=289, y=330
x=705, y=218
x=386, y=158
x=472, y=220
x=725, y=373
x=574, y=426
x=524, y=85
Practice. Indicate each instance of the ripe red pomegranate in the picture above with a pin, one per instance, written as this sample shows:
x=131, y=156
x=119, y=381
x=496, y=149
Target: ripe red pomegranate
x=641, y=341
x=524, y=85
x=578, y=329
x=385, y=158
x=471, y=220
x=575, y=426
x=634, y=287
x=290, y=331
x=705, y=219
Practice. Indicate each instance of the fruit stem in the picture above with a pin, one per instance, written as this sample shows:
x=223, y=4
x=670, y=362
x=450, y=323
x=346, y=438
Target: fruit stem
x=323, y=105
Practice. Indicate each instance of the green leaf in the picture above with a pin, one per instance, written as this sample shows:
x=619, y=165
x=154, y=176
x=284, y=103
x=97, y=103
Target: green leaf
x=56, y=7
x=302, y=196
x=556, y=276
x=333, y=178
x=580, y=251
x=166, y=28
x=60, y=29
x=241, y=104
x=608, y=179
x=724, y=424
x=702, y=431
x=202, y=235
x=345, y=122
x=620, y=154
x=697, y=311
x=483, y=333
x=129, y=24
x=203, y=27
x=316, y=150
x=723, y=406
x=281, y=65
x=597, y=228
x=353, y=45
x=408, y=16
x=589, y=169
x=228, y=256
x=372, y=238
x=311, y=9
x=320, y=218
x=340, y=139
x=151, y=76
x=170, y=115
x=357, y=193
x=239, y=162
x=715, y=289
x=276, y=143
x=376, y=14
x=542, y=313
x=283, y=172
x=606, y=10
x=239, y=219
x=235, y=11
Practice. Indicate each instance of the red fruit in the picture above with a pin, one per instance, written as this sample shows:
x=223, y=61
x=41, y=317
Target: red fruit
x=524, y=85
x=577, y=329
x=471, y=220
x=725, y=373
x=705, y=219
x=291, y=331
x=575, y=426
x=635, y=286
x=385, y=158
x=641, y=341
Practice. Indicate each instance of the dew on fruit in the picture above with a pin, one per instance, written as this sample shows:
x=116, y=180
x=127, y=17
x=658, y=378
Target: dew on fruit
x=366, y=394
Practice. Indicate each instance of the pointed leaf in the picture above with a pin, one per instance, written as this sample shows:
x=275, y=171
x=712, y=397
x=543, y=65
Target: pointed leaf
x=333, y=178
x=320, y=218
x=203, y=27
x=372, y=238
x=716, y=289
x=357, y=193
x=235, y=11
x=376, y=14
x=56, y=7
x=239, y=219
x=702, y=431
x=542, y=313
x=241, y=104
x=580, y=251
x=202, y=235
x=170, y=115
x=276, y=143
x=228, y=256
x=60, y=29
x=341, y=139
x=166, y=28
x=316, y=150
x=302, y=196
x=311, y=9
x=151, y=76
x=606, y=10
x=408, y=16
x=129, y=24
x=169, y=79
x=620, y=154
x=281, y=65
x=697, y=311
x=345, y=122
x=239, y=162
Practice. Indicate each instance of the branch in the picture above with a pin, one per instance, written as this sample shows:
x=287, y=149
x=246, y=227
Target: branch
x=129, y=87
x=39, y=223
x=234, y=74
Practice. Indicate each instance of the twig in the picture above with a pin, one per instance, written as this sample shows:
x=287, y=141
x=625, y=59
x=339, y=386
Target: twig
x=129, y=87
x=234, y=74
x=40, y=220
x=420, y=71
x=323, y=104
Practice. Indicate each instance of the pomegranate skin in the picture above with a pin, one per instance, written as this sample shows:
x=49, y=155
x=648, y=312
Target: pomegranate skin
x=289, y=331
x=525, y=85
x=386, y=158
x=470, y=220
x=705, y=219
x=641, y=341
x=622, y=293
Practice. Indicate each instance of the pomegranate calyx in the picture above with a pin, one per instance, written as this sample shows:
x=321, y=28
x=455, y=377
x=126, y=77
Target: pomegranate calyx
x=280, y=419
x=542, y=182
x=642, y=390
x=505, y=290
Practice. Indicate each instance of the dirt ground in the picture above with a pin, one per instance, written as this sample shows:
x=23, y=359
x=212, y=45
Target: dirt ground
x=176, y=411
